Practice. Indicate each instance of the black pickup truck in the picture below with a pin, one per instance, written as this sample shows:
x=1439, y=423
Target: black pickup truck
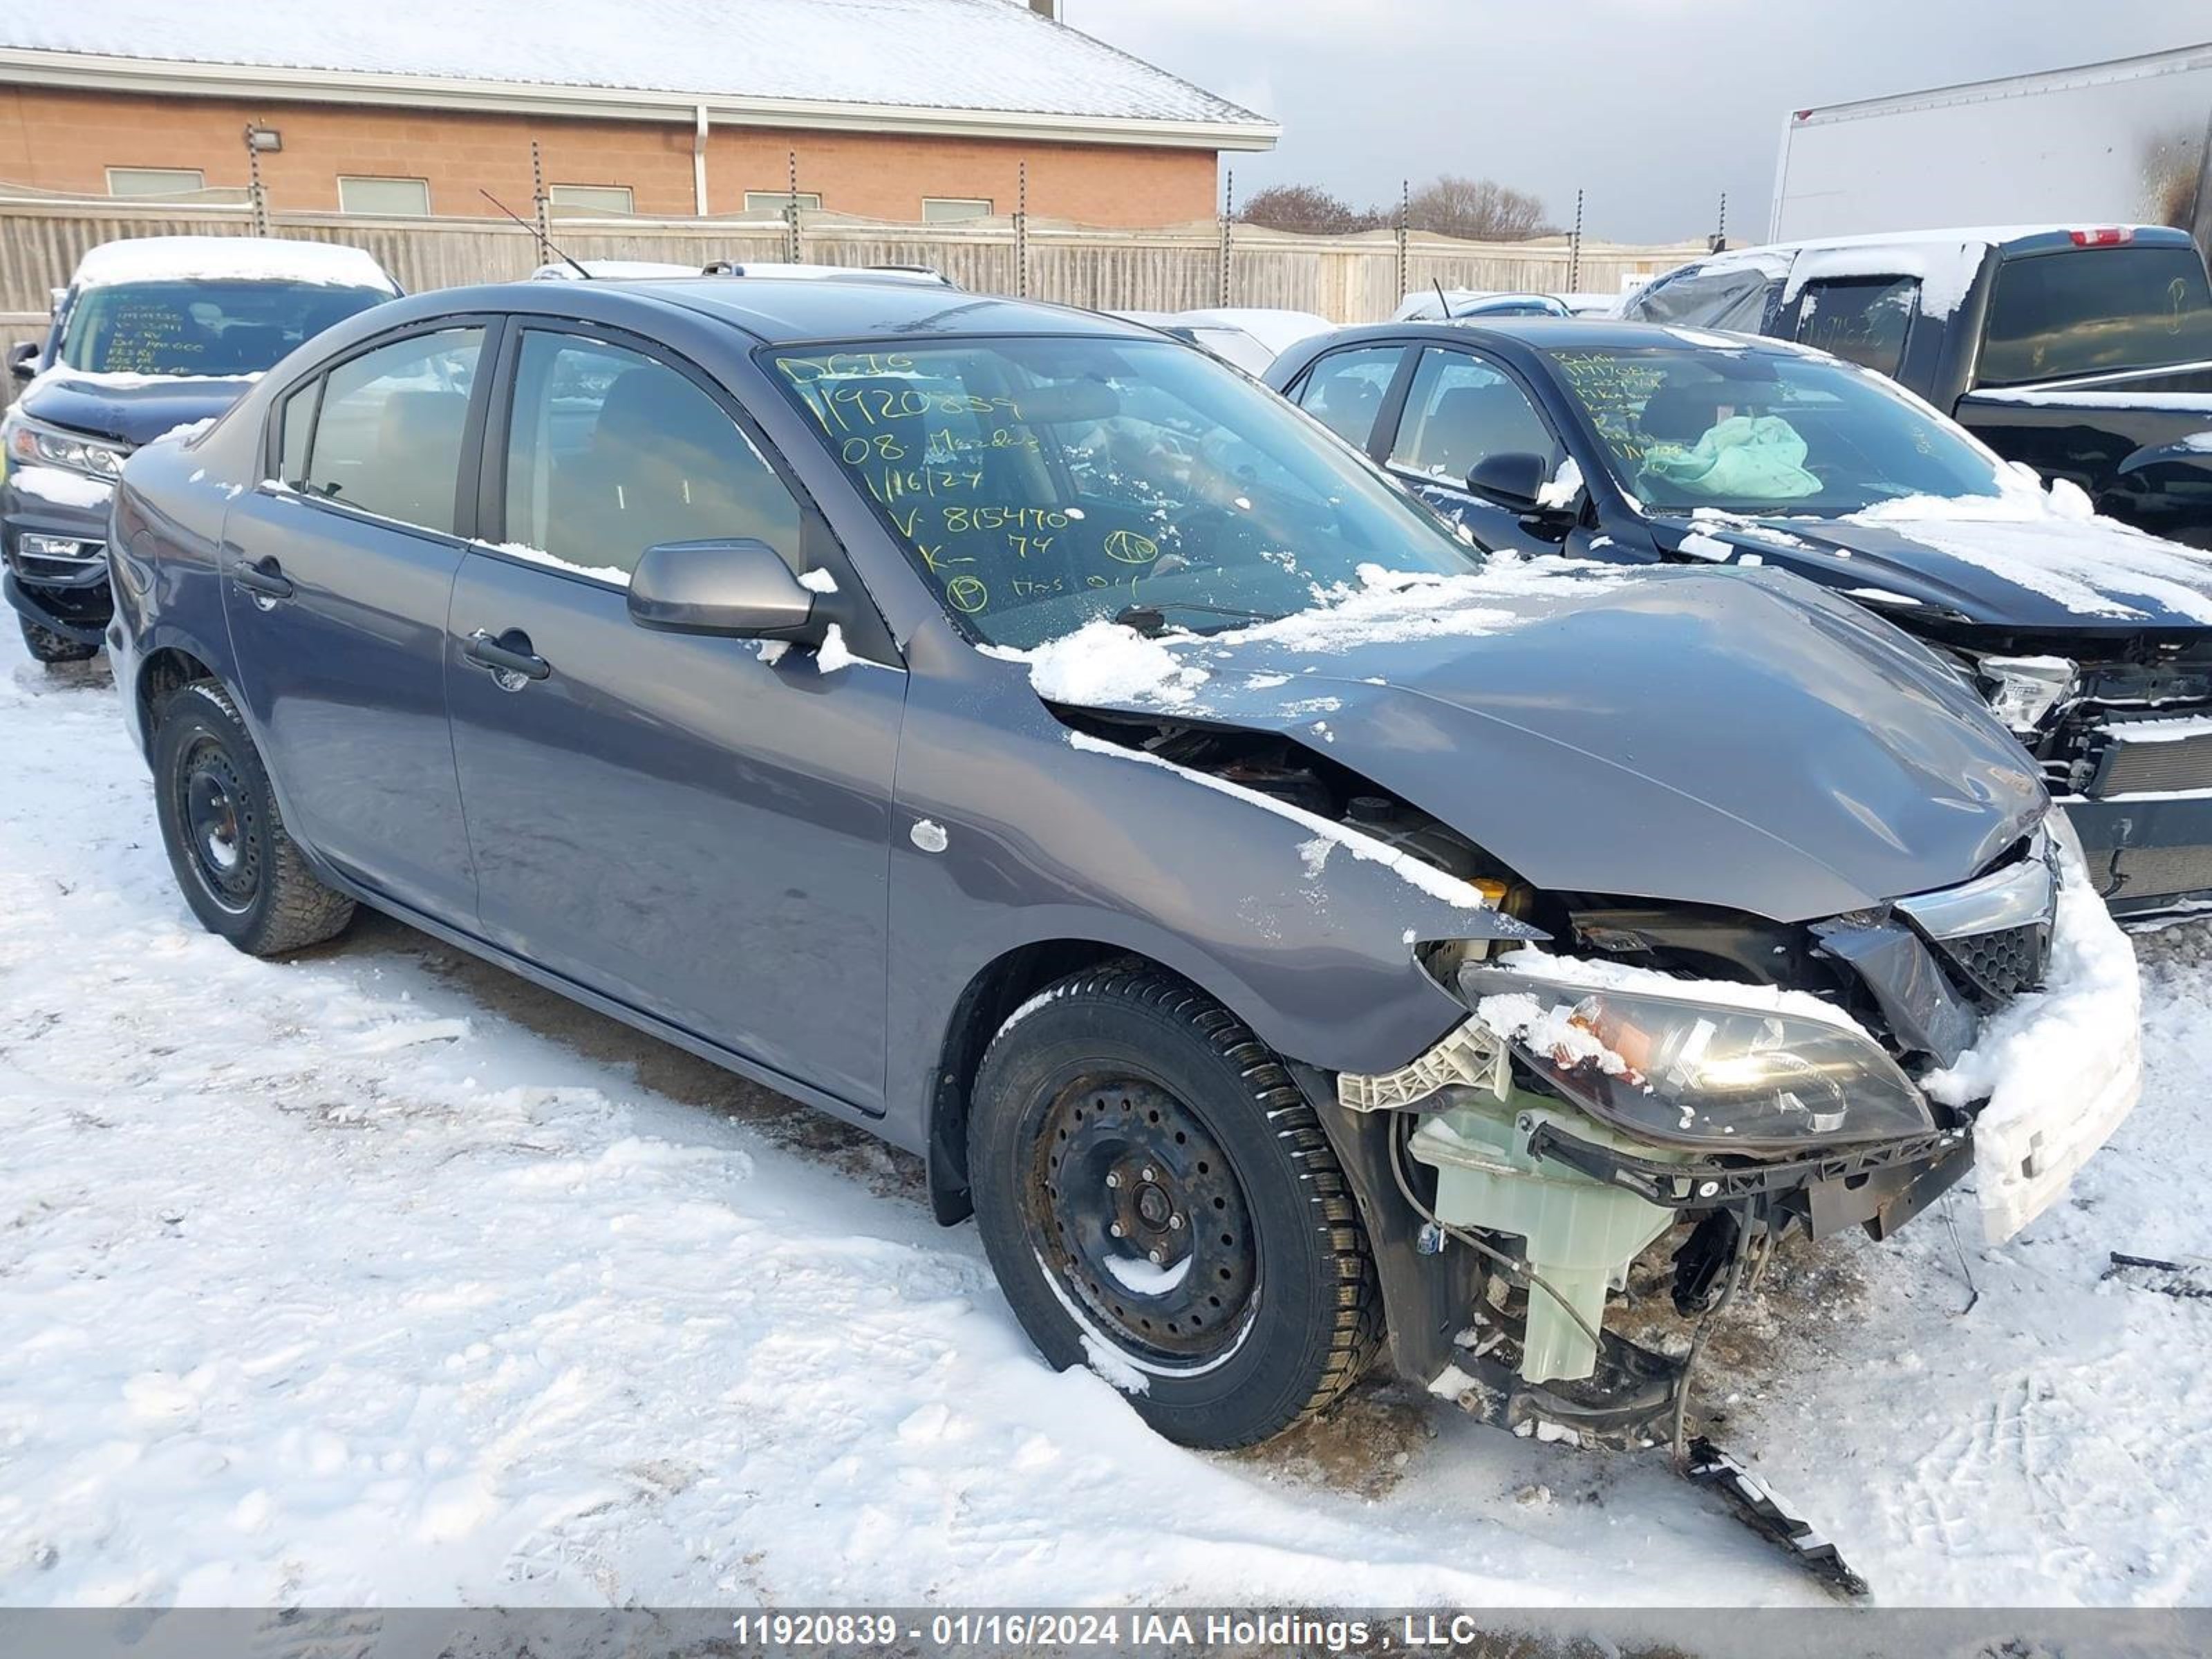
x=2085, y=353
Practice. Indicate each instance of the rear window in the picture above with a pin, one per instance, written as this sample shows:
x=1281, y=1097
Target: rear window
x=2091, y=310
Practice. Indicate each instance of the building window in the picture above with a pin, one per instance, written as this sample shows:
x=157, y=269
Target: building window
x=391, y=197
x=592, y=198
x=942, y=210
x=775, y=201
x=155, y=181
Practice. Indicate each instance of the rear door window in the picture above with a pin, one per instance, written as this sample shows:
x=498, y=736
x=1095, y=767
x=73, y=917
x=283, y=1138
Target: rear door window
x=1344, y=391
x=1461, y=410
x=1861, y=318
x=611, y=451
x=2095, y=310
x=388, y=438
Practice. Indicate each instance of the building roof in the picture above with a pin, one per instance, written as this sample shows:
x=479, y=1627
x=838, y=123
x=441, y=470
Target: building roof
x=785, y=62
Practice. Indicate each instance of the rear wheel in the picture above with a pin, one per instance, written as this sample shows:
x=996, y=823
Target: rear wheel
x=238, y=870
x=1159, y=1202
x=48, y=647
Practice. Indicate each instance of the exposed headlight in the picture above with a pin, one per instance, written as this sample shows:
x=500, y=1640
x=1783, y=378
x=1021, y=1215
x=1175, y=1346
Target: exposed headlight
x=1682, y=1071
x=2022, y=691
x=33, y=443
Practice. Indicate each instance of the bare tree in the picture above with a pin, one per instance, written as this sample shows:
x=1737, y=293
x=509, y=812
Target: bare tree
x=1479, y=210
x=1307, y=208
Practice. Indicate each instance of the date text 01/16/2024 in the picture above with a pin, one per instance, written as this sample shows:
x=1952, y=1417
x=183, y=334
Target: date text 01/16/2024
x=845, y=1630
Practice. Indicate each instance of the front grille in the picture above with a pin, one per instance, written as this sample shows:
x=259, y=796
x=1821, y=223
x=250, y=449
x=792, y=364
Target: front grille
x=1998, y=966
x=2152, y=757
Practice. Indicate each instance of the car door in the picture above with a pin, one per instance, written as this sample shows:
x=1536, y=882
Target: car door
x=1460, y=410
x=698, y=828
x=339, y=570
x=1347, y=391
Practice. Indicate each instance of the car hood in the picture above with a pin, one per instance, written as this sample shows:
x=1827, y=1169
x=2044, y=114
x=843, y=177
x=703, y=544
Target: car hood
x=1737, y=741
x=131, y=409
x=2048, y=574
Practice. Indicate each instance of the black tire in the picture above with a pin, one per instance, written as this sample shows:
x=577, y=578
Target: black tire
x=240, y=871
x=1111, y=1101
x=48, y=647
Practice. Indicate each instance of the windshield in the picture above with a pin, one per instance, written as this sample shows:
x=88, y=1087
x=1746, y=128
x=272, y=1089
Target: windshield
x=1040, y=483
x=194, y=327
x=2092, y=311
x=1766, y=433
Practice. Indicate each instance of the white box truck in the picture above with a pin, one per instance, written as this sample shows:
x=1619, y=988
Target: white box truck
x=2128, y=141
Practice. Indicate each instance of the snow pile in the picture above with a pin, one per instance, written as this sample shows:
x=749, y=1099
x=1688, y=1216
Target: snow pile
x=1104, y=662
x=185, y=433
x=1549, y=1028
x=2060, y=1068
x=380, y=1278
x=1565, y=486
x=1594, y=975
x=603, y=573
x=61, y=487
x=1945, y=266
x=229, y=258
x=908, y=54
x=2055, y=544
x=1394, y=607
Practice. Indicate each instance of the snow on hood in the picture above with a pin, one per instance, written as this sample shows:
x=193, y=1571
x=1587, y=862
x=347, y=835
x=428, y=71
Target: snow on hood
x=2023, y=558
x=2060, y=1067
x=135, y=409
x=229, y=258
x=1670, y=732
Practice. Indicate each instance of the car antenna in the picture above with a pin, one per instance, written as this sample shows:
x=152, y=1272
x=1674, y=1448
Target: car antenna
x=1437, y=282
x=544, y=241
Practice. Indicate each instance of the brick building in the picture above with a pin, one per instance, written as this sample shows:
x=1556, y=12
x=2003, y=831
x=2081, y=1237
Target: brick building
x=893, y=109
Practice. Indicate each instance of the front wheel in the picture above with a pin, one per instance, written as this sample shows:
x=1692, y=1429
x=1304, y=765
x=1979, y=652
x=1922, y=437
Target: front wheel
x=240, y=870
x=48, y=647
x=1160, y=1203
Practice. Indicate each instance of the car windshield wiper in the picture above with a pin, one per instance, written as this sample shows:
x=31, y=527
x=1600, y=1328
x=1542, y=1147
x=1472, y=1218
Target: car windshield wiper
x=1150, y=618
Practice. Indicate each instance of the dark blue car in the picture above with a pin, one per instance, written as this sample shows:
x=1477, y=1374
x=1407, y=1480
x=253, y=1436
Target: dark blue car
x=1639, y=443
x=152, y=335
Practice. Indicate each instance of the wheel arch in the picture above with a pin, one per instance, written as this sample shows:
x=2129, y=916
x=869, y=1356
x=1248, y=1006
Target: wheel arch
x=162, y=671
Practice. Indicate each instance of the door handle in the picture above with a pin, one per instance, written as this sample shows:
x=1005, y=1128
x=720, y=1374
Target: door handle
x=507, y=655
x=263, y=579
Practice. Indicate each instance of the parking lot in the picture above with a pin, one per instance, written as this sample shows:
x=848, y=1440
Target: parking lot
x=378, y=1275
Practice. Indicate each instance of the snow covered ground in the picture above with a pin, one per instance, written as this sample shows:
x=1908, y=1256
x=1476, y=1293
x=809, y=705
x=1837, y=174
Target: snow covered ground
x=380, y=1277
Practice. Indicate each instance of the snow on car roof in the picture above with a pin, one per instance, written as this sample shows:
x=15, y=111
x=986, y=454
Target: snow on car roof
x=229, y=258
x=949, y=54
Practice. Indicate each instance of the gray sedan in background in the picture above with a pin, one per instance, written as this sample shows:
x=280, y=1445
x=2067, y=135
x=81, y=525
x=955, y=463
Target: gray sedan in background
x=1289, y=932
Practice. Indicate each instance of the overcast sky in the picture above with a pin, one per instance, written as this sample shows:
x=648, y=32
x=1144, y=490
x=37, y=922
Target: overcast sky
x=1653, y=107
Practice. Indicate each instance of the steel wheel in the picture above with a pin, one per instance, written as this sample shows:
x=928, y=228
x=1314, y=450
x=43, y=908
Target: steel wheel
x=1137, y=1212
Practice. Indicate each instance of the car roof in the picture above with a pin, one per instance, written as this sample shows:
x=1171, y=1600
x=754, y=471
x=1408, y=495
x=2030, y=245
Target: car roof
x=786, y=311
x=1557, y=334
x=2009, y=239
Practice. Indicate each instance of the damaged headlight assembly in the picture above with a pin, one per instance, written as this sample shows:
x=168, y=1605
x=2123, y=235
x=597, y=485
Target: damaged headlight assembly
x=2023, y=691
x=1686, y=1073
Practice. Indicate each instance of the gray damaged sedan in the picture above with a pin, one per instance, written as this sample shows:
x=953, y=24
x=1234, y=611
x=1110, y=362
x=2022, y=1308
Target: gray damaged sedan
x=1293, y=936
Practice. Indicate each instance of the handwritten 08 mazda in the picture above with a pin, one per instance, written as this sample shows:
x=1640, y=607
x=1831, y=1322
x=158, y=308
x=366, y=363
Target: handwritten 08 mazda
x=1290, y=932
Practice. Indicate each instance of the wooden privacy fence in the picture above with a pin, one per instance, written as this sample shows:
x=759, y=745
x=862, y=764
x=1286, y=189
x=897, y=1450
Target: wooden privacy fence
x=1347, y=279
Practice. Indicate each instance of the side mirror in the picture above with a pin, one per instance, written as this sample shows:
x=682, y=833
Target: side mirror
x=24, y=359
x=1513, y=478
x=741, y=589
